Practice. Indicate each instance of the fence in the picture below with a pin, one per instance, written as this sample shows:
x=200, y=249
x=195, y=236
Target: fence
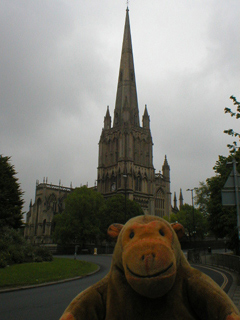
x=228, y=261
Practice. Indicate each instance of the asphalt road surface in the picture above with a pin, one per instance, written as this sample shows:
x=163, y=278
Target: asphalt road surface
x=49, y=302
x=222, y=277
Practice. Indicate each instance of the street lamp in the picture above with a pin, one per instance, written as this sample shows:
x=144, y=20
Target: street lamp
x=125, y=213
x=194, y=231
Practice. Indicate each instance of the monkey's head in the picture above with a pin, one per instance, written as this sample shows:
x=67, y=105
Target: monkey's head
x=148, y=252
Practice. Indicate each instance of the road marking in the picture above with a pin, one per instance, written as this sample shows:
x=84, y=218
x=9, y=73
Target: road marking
x=225, y=279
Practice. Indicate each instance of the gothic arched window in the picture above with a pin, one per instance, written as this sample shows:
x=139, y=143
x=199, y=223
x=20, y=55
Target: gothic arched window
x=159, y=203
x=52, y=201
x=39, y=202
x=138, y=183
x=44, y=226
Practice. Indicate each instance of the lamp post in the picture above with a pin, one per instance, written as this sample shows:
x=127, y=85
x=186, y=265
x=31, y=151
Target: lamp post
x=125, y=213
x=194, y=231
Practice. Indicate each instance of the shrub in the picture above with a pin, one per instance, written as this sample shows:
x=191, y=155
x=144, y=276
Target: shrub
x=3, y=259
x=11, y=247
x=28, y=253
x=38, y=259
x=43, y=253
x=16, y=254
x=15, y=249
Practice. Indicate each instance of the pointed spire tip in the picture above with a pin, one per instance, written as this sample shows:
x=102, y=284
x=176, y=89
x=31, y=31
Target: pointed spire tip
x=127, y=6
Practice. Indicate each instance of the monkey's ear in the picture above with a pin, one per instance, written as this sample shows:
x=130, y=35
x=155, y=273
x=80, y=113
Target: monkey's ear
x=114, y=230
x=179, y=229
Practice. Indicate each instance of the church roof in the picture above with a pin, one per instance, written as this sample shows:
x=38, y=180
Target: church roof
x=126, y=107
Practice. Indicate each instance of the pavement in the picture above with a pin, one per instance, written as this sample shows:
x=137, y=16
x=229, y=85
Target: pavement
x=234, y=292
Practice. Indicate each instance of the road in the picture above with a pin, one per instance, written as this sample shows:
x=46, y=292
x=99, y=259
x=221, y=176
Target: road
x=49, y=302
x=221, y=277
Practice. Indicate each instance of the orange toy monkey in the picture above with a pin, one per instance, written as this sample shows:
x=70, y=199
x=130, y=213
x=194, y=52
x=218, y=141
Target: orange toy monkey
x=150, y=279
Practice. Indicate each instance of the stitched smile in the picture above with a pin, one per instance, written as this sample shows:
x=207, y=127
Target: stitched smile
x=150, y=276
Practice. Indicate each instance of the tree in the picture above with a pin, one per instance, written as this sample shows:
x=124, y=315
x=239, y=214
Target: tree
x=79, y=223
x=232, y=147
x=114, y=212
x=191, y=224
x=11, y=202
x=222, y=220
x=202, y=197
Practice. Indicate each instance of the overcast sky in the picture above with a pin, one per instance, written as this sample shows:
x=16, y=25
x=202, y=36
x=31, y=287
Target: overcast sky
x=59, y=63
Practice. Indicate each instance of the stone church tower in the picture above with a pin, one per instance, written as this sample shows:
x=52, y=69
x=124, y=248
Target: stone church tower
x=125, y=163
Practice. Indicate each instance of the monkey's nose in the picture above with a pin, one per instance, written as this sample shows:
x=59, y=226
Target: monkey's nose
x=148, y=256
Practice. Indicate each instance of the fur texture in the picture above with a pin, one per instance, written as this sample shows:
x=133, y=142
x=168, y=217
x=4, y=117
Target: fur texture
x=150, y=278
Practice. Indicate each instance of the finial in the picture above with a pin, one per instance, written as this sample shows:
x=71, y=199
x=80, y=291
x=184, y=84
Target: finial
x=127, y=5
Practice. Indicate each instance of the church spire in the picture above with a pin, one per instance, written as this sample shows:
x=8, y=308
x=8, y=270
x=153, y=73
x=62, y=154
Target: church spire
x=175, y=201
x=107, y=120
x=126, y=107
x=180, y=199
x=146, y=119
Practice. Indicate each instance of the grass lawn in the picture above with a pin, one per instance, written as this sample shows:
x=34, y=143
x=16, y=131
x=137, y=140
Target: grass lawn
x=40, y=272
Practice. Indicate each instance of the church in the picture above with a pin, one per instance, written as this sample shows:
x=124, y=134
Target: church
x=125, y=159
x=125, y=162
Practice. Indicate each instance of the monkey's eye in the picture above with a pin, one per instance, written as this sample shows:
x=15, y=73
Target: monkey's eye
x=161, y=232
x=131, y=235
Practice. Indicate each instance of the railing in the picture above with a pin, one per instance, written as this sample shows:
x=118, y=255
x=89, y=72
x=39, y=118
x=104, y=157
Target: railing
x=228, y=261
x=52, y=186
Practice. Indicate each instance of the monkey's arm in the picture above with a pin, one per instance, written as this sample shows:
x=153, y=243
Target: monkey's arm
x=89, y=304
x=208, y=300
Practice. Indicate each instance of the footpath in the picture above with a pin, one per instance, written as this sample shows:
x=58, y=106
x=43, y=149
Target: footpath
x=234, y=292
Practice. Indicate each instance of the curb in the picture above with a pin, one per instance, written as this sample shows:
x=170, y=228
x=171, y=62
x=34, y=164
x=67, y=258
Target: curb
x=232, y=292
x=45, y=284
x=234, y=285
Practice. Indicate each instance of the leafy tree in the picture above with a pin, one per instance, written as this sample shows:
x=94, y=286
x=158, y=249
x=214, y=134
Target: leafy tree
x=222, y=220
x=114, y=212
x=79, y=222
x=202, y=197
x=14, y=249
x=232, y=147
x=197, y=224
x=11, y=202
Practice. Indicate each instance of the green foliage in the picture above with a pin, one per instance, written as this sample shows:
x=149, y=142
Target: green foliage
x=10, y=239
x=114, y=212
x=222, y=220
x=11, y=201
x=196, y=223
x=11, y=243
x=3, y=259
x=79, y=222
x=201, y=198
x=233, y=147
x=166, y=218
x=14, y=249
x=43, y=253
x=87, y=216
